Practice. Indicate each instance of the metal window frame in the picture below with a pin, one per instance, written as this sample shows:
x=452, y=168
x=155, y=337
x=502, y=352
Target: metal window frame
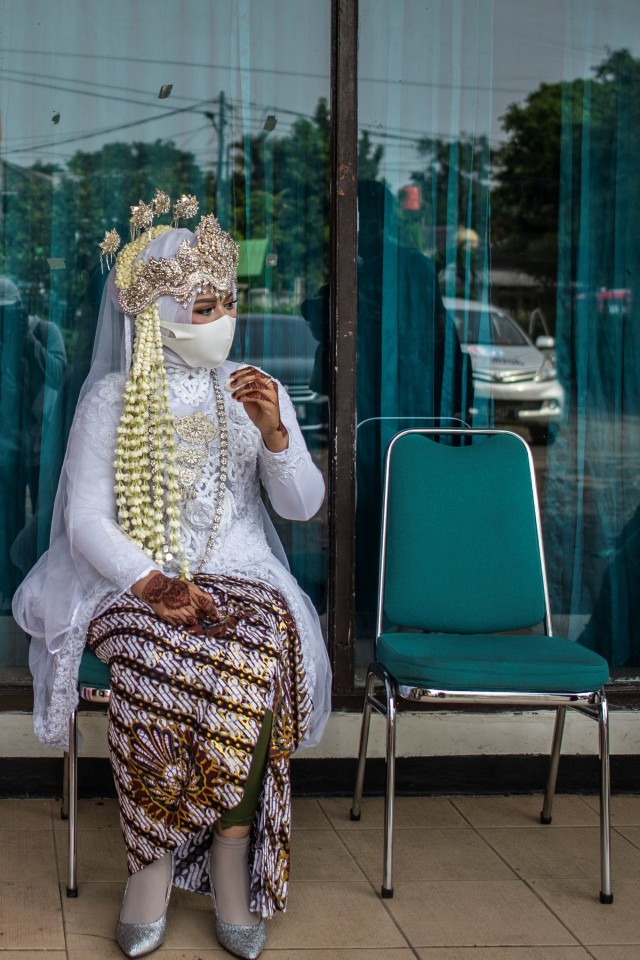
x=342, y=346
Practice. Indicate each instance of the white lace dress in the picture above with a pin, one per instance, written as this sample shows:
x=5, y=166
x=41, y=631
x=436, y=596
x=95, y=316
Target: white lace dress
x=244, y=545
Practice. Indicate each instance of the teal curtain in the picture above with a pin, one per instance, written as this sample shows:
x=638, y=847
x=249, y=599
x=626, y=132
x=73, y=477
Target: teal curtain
x=410, y=368
x=502, y=139
x=422, y=195
x=593, y=518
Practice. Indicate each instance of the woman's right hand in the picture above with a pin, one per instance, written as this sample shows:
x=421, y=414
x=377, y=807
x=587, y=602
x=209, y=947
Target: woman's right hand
x=179, y=602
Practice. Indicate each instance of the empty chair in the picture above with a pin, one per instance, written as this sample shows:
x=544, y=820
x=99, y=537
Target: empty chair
x=462, y=568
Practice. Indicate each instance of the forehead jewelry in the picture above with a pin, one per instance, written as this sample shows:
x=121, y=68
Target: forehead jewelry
x=210, y=264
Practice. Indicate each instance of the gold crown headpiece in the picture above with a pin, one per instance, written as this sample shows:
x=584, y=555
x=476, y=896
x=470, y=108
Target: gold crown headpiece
x=211, y=264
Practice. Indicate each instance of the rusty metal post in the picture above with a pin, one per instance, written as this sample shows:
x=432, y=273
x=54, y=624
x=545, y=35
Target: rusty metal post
x=344, y=304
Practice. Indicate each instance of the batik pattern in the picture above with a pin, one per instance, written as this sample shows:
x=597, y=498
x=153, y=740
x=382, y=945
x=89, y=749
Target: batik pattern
x=184, y=717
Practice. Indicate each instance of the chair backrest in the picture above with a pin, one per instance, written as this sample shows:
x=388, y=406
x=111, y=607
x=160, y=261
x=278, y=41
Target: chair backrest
x=461, y=551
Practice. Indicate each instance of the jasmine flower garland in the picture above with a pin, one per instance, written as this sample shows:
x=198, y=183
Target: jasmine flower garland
x=147, y=491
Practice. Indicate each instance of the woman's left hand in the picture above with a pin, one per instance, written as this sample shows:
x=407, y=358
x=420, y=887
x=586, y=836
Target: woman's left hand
x=258, y=394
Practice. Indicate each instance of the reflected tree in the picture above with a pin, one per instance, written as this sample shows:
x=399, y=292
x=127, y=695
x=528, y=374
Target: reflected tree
x=280, y=192
x=574, y=135
x=454, y=216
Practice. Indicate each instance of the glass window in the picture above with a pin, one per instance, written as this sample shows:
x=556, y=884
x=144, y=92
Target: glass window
x=486, y=327
x=102, y=103
x=498, y=269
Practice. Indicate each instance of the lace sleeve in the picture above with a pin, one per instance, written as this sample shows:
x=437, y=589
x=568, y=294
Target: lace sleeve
x=98, y=415
x=292, y=480
x=90, y=507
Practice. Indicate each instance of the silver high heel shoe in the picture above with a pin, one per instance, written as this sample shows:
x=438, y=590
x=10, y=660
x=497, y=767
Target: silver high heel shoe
x=242, y=940
x=138, y=939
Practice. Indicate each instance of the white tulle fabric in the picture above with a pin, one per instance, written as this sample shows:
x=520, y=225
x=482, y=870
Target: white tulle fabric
x=90, y=562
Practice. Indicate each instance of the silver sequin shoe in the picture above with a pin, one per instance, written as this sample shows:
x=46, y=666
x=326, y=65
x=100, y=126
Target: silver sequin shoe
x=242, y=940
x=138, y=939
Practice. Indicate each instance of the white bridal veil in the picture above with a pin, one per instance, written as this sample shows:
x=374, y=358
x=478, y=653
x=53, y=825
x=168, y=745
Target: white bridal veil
x=64, y=590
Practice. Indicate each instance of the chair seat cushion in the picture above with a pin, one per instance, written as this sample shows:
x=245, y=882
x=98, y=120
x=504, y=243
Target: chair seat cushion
x=93, y=672
x=500, y=663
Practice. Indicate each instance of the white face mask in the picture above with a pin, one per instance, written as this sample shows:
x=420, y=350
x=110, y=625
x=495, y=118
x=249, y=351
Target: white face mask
x=200, y=344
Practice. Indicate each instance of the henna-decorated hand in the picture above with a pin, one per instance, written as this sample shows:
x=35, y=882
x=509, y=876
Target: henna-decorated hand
x=258, y=393
x=179, y=602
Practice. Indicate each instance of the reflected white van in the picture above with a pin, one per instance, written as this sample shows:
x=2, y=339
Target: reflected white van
x=508, y=367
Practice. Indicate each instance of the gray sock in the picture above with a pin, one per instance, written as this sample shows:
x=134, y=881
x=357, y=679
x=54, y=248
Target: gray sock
x=230, y=879
x=146, y=892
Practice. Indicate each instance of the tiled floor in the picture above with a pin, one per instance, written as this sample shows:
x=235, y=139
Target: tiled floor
x=476, y=878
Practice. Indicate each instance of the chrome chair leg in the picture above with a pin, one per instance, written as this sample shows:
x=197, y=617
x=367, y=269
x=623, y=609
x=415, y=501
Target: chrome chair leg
x=64, y=809
x=362, y=751
x=606, y=895
x=72, y=792
x=390, y=791
x=554, y=760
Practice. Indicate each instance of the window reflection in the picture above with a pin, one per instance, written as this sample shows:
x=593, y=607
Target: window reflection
x=505, y=136
x=237, y=117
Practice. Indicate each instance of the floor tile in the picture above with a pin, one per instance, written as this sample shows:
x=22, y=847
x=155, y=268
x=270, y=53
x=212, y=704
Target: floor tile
x=96, y=948
x=308, y=814
x=501, y=913
x=632, y=834
x=325, y=916
x=25, y=854
x=101, y=856
x=472, y=907
x=94, y=814
x=321, y=855
x=85, y=946
x=33, y=954
x=627, y=952
x=625, y=808
x=30, y=917
x=93, y=913
x=427, y=854
x=389, y=953
x=197, y=953
x=563, y=852
x=523, y=811
x=576, y=903
x=408, y=812
x=18, y=814
x=190, y=922
x=503, y=953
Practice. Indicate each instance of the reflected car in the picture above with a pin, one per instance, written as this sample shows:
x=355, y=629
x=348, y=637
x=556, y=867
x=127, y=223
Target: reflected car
x=508, y=368
x=284, y=346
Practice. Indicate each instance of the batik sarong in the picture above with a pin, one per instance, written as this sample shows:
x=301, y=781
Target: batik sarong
x=184, y=717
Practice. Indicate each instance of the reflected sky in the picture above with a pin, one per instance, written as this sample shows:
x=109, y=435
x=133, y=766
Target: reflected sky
x=76, y=82
x=452, y=67
x=70, y=82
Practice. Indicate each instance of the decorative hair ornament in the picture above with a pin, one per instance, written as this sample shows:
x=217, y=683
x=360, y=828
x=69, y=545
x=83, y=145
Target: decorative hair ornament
x=185, y=208
x=109, y=247
x=141, y=218
x=211, y=264
x=161, y=203
x=147, y=473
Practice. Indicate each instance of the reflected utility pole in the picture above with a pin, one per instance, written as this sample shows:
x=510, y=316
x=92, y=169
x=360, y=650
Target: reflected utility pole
x=219, y=121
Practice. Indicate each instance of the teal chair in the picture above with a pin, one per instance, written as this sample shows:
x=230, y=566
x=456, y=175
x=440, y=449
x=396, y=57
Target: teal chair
x=462, y=568
x=93, y=686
